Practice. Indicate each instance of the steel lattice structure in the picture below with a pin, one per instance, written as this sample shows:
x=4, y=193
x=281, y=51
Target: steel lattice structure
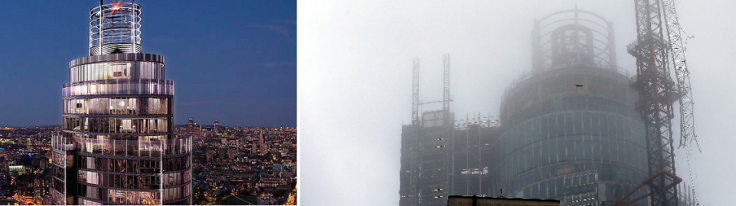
x=656, y=97
x=675, y=32
x=425, y=147
x=446, y=88
x=677, y=50
x=415, y=93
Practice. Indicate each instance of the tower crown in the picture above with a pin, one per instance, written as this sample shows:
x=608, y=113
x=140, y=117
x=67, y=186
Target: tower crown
x=115, y=28
x=573, y=39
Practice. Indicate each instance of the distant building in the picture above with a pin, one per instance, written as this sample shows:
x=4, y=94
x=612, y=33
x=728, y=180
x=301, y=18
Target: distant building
x=39, y=190
x=268, y=200
x=216, y=127
x=17, y=170
x=210, y=155
x=192, y=128
x=231, y=152
x=22, y=164
x=259, y=147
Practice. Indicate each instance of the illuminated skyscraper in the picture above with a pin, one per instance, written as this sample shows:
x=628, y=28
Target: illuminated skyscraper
x=117, y=144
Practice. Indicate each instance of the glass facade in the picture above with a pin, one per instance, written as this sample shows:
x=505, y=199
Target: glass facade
x=583, y=145
x=117, y=144
x=117, y=70
x=121, y=105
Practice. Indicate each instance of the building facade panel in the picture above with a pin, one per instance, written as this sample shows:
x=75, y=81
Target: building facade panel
x=572, y=131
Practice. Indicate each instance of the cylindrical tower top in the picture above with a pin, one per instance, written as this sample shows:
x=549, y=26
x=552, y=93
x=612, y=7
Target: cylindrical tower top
x=115, y=28
x=571, y=39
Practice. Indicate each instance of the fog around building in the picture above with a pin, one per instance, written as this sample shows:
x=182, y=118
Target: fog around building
x=355, y=71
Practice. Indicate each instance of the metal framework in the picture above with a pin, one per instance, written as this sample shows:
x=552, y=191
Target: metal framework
x=115, y=28
x=425, y=148
x=572, y=37
x=446, y=88
x=649, y=181
x=656, y=96
x=687, y=118
x=415, y=93
x=468, y=171
x=675, y=32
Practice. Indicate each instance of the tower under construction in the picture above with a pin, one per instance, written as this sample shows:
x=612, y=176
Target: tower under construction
x=570, y=129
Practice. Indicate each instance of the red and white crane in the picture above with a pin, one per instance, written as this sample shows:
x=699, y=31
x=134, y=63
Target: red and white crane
x=658, y=35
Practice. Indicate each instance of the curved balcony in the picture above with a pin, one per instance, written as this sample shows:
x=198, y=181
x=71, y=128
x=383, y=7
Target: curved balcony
x=119, y=87
x=61, y=143
x=117, y=57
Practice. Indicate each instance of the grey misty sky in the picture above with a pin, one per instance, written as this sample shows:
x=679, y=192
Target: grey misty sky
x=354, y=81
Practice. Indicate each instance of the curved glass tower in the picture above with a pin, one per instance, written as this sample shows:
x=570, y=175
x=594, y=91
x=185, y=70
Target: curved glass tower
x=572, y=131
x=117, y=144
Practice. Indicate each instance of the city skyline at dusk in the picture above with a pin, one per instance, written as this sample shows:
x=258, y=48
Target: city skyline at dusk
x=89, y=116
x=234, y=61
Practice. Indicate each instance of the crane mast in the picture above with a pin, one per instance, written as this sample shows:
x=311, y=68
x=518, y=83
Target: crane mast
x=446, y=89
x=415, y=93
x=656, y=96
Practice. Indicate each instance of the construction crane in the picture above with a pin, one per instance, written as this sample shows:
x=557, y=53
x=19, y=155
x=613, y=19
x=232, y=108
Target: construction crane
x=677, y=50
x=446, y=89
x=446, y=99
x=415, y=93
x=678, y=39
x=657, y=92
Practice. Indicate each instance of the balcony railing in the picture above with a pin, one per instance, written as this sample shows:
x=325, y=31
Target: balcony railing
x=60, y=142
x=155, y=87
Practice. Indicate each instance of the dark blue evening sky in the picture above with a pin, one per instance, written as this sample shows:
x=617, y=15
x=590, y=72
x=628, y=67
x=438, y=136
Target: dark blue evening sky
x=230, y=60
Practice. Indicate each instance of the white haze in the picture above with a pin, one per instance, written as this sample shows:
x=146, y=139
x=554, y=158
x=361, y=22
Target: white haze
x=354, y=82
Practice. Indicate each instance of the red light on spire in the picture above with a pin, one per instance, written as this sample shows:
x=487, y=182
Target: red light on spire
x=115, y=6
